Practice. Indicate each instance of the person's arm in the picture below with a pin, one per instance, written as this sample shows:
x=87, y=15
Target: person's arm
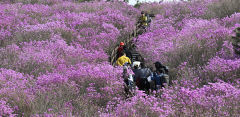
x=153, y=76
x=134, y=77
x=129, y=61
x=148, y=72
x=118, y=62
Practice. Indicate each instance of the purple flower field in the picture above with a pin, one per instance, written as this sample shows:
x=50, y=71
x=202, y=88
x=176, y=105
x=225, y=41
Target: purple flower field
x=54, y=58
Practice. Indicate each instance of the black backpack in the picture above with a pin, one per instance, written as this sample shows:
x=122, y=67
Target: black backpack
x=149, y=19
x=151, y=15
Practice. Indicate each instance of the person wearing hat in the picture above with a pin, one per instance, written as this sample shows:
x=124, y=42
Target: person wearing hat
x=143, y=19
x=120, y=50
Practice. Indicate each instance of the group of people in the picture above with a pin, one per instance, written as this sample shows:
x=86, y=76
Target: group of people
x=123, y=55
x=137, y=74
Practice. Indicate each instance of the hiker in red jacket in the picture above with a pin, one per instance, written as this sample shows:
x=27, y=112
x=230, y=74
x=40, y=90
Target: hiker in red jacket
x=120, y=50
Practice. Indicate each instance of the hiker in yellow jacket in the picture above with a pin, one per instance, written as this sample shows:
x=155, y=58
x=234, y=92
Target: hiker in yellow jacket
x=123, y=59
x=143, y=19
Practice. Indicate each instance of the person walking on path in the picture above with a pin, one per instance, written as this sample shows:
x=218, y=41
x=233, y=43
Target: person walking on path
x=128, y=78
x=136, y=62
x=120, y=50
x=163, y=70
x=141, y=76
x=143, y=20
x=123, y=59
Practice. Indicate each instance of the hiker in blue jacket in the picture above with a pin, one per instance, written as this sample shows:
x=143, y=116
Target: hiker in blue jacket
x=158, y=78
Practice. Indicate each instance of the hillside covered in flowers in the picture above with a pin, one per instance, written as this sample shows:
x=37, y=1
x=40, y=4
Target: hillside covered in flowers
x=55, y=58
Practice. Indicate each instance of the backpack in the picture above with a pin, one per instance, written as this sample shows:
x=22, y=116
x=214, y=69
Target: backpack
x=165, y=69
x=151, y=15
x=165, y=80
x=149, y=19
x=165, y=76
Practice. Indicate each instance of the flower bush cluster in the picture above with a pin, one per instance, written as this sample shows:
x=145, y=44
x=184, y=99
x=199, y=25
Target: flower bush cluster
x=6, y=110
x=56, y=48
x=215, y=99
x=54, y=58
x=196, y=45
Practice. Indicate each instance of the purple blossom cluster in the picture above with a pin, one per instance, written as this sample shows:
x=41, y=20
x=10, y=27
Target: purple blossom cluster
x=50, y=50
x=5, y=109
x=199, y=53
x=215, y=99
x=54, y=59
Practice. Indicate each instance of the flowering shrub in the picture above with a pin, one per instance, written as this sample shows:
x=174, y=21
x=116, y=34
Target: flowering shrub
x=232, y=20
x=178, y=12
x=198, y=51
x=41, y=56
x=54, y=59
x=225, y=69
x=16, y=90
x=48, y=2
x=212, y=99
x=81, y=86
x=5, y=109
x=140, y=105
x=194, y=43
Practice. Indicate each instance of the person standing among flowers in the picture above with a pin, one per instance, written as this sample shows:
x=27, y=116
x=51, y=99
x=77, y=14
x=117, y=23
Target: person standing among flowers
x=128, y=77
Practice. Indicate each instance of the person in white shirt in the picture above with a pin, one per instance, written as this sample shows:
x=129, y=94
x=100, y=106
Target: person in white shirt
x=137, y=62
